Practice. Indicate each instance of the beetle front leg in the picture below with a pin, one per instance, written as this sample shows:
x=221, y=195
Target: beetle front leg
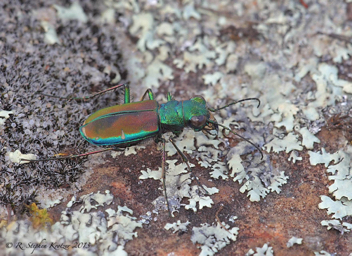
x=185, y=160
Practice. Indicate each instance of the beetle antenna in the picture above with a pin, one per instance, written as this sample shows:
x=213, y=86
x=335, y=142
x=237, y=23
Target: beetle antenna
x=228, y=129
x=233, y=103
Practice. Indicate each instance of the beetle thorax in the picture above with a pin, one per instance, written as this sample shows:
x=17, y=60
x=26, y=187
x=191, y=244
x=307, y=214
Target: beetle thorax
x=171, y=115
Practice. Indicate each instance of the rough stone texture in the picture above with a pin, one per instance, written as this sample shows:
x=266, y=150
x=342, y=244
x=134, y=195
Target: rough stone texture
x=283, y=52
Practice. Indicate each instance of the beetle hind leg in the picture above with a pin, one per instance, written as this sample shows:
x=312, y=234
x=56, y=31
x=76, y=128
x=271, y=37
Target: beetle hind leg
x=89, y=97
x=61, y=157
x=150, y=94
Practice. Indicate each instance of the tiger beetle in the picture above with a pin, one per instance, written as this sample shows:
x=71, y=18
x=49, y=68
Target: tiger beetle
x=121, y=126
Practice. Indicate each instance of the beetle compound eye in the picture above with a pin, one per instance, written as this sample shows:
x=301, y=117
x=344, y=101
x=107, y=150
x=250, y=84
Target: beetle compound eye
x=198, y=121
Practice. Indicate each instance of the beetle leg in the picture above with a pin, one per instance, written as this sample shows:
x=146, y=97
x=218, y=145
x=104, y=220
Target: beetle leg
x=185, y=160
x=169, y=96
x=150, y=94
x=126, y=86
x=163, y=175
x=70, y=156
x=127, y=94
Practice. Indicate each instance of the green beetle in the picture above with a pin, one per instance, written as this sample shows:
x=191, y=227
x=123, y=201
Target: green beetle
x=121, y=126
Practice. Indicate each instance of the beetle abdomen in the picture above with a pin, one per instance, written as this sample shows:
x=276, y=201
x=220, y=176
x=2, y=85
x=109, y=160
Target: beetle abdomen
x=122, y=124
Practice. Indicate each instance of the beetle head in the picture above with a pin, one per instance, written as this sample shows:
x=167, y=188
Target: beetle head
x=196, y=113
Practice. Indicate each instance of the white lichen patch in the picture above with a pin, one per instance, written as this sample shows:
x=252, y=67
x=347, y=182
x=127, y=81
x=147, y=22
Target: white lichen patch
x=185, y=142
x=340, y=173
x=190, y=12
x=132, y=150
x=308, y=138
x=177, y=226
x=294, y=240
x=90, y=233
x=3, y=116
x=213, y=238
x=50, y=36
x=50, y=197
x=257, y=181
x=212, y=79
x=338, y=225
x=323, y=158
x=94, y=200
x=143, y=25
x=157, y=72
x=238, y=171
x=198, y=56
x=122, y=225
x=178, y=186
x=286, y=143
x=74, y=12
x=108, y=16
x=330, y=74
x=135, y=65
x=277, y=181
x=17, y=156
x=339, y=208
x=322, y=253
x=220, y=170
x=294, y=156
x=195, y=197
x=149, y=174
x=266, y=250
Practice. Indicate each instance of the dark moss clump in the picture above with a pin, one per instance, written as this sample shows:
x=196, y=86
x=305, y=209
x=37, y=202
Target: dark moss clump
x=45, y=125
